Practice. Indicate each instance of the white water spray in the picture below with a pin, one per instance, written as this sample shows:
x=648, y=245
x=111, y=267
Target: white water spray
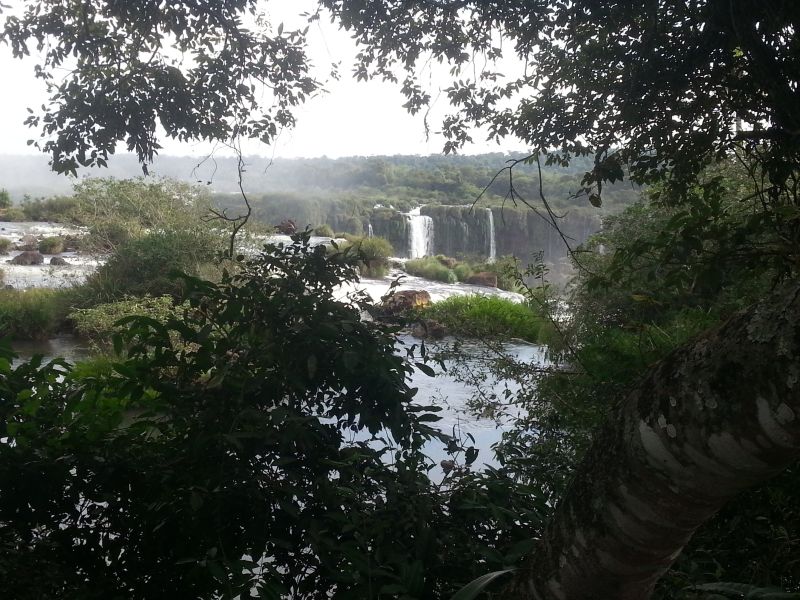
x=420, y=234
x=492, y=241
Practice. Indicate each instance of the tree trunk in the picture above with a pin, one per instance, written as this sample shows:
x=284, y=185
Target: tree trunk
x=714, y=418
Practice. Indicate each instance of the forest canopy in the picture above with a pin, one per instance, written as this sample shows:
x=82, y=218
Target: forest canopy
x=697, y=303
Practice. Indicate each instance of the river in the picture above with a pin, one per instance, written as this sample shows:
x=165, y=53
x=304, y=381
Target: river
x=445, y=389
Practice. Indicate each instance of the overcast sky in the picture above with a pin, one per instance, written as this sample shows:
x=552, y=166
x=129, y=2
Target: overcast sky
x=354, y=118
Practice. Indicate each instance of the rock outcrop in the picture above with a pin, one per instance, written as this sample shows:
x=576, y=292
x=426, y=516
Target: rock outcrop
x=484, y=278
x=28, y=257
x=404, y=300
x=28, y=243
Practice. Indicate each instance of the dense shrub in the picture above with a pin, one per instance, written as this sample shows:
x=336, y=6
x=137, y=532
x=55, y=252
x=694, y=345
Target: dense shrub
x=489, y=316
x=99, y=323
x=5, y=244
x=63, y=209
x=324, y=230
x=51, y=245
x=430, y=268
x=283, y=449
x=463, y=271
x=371, y=254
x=32, y=314
x=506, y=268
x=13, y=213
x=148, y=265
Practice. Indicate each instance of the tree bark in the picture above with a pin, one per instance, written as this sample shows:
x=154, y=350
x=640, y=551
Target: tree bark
x=714, y=418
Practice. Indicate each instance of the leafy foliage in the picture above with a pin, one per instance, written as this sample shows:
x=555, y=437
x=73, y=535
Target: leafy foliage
x=51, y=245
x=488, y=316
x=148, y=265
x=265, y=440
x=99, y=323
x=123, y=81
x=32, y=314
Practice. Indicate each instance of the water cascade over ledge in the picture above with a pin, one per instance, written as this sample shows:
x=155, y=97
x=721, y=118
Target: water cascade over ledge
x=420, y=234
x=492, y=240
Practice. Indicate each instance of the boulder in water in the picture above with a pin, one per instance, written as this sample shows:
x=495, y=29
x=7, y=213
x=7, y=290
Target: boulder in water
x=28, y=243
x=429, y=329
x=484, y=278
x=405, y=300
x=28, y=257
x=58, y=261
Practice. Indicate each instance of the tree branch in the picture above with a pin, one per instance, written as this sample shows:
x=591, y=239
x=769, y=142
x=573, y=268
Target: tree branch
x=711, y=420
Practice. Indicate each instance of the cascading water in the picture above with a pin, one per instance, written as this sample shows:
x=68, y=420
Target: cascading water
x=420, y=234
x=370, y=232
x=492, y=241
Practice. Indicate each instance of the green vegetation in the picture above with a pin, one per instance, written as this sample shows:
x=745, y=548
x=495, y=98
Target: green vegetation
x=148, y=265
x=272, y=382
x=489, y=316
x=5, y=244
x=430, y=268
x=32, y=314
x=372, y=254
x=435, y=268
x=51, y=245
x=275, y=450
x=99, y=323
x=5, y=199
x=57, y=209
x=324, y=230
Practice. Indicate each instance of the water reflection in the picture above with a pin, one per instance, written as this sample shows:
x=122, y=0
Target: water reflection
x=446, y=390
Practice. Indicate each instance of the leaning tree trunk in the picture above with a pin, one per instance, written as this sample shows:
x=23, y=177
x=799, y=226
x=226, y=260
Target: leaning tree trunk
x=714, y=418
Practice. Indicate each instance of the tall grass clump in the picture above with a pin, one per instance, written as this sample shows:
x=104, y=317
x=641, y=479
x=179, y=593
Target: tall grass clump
x=32, y=314
x=5, y=244
x=489, y=316
x=51, y=245
x=430, y=268
x=99, y=323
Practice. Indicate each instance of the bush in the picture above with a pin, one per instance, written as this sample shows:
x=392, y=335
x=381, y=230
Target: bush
x=5, y=244
x=148, y=266
x=505, y=268
x=98, y=324
x=430, y=268
x=59, y=208
x=463, y=271
x=372, y=254
x=488, y=316
x=32, y=314
x=13, y=213
x=51, y=245
x=324, y=230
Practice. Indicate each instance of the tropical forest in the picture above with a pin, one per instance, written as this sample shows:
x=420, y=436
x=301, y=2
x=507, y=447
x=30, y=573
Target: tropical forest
x=557, y=357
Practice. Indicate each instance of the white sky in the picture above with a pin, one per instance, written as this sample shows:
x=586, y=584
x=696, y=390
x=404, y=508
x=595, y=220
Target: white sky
x=354, y=118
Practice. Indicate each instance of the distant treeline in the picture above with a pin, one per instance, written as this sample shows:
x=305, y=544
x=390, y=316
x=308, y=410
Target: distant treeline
x=310, y=184
x=343, y=192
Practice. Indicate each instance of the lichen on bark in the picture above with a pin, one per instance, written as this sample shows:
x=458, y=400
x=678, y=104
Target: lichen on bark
x=714, y=418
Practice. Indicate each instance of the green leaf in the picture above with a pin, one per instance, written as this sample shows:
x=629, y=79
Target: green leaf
x=475, y=587
x=425, y=369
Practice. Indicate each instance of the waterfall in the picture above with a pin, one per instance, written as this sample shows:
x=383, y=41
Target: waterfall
x=420, y=234
x=370, y=233
x=492, y=240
